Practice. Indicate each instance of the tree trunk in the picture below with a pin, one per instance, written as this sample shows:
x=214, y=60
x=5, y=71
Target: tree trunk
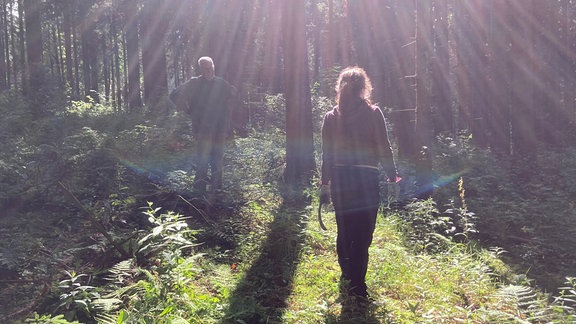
x=89, y=42
x=33, y=44
x=33, y=33
x=524, y=116
x=12, y=73
x=106, y=67
x=423, y=125
x=116, y=84
x=68, y=32
x=300, y=163
x=132, y=55
x=3, y=48
x=400, y=94
x=330, y=52
x=441, y=96
x=570, y=43
x=21, y=42
x=153, y=52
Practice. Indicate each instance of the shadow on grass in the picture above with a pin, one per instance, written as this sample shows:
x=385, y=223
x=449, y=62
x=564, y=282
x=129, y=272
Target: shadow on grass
x=261, y=296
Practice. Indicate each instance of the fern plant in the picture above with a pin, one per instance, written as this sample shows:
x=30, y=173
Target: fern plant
x=426, y=228
x=567, y=298
x=157, y=292
x=532, y=306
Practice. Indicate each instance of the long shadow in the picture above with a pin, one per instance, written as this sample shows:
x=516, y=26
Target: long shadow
x=261, y=296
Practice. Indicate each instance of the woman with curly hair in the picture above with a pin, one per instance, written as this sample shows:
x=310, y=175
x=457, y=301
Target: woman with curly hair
x=354, y=146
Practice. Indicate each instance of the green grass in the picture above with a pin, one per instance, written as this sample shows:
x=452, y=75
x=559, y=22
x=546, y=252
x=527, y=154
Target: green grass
x=284, y=270
x=287, y=272
x=407, y=287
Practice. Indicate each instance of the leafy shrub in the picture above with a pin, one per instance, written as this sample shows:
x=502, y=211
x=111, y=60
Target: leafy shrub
x=320, y=106
x=152, y=149
x=530, y=216
x=15, y=114
x=77, y=299
x=48, y=319
x=88, y=108
x=169, y=237
x=163, y=292
x=425, y=226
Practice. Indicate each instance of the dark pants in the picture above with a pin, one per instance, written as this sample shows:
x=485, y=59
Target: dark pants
x=356, y=198
x=210, y=154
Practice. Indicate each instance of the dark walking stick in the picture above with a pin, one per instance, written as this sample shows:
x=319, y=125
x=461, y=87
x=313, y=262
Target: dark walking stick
x=320, y=216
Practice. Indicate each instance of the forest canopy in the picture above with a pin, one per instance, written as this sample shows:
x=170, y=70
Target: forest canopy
x=502, y=70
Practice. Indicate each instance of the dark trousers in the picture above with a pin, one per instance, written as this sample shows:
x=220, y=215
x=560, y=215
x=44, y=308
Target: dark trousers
x=356, y=199
x=210, y=154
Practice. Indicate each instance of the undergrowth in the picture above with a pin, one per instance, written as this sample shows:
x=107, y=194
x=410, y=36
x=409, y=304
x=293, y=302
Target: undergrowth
x=101, y=227
x=287, y=272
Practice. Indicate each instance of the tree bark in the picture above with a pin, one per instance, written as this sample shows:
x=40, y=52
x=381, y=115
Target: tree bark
x=116, y=78
x=35, y=77
x=3, y=48
x=21, y=42
x=423, y=126
x=68, y=32
x=300, y=163
x=33, y=33
x=89, y=42
x=154, y=62
x=131, y=15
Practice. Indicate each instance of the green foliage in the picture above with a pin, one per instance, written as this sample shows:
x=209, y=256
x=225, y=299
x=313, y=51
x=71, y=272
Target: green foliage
x=424, y=226
x=464, y=220
x=168, y=238
x=320, y=106
x=154, y=150
x=328, y=80
x=260, y=160
x=76, y=299
x=524, y=206
x=162, y=294
x=275, y=112
x=567, y=296
x=269, y=115
x=88, y=108
x=427, y=228
x=532, y=306
x=16, y=115
x=48, y=319
x=267, y=112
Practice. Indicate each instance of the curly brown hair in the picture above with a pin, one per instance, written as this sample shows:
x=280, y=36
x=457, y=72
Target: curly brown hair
x=353, y=85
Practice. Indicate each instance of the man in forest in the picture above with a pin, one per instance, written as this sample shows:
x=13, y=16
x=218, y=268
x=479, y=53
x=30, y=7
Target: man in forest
x=206, y=100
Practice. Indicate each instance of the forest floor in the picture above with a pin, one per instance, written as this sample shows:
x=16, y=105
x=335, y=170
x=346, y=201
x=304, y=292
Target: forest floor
x=282, y=269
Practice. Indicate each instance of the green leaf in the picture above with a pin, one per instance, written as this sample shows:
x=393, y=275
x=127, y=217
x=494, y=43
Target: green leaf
x=167, y=310
x=122, y=317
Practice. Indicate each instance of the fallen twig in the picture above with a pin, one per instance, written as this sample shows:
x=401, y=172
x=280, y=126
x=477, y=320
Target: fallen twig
x=92, y=218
